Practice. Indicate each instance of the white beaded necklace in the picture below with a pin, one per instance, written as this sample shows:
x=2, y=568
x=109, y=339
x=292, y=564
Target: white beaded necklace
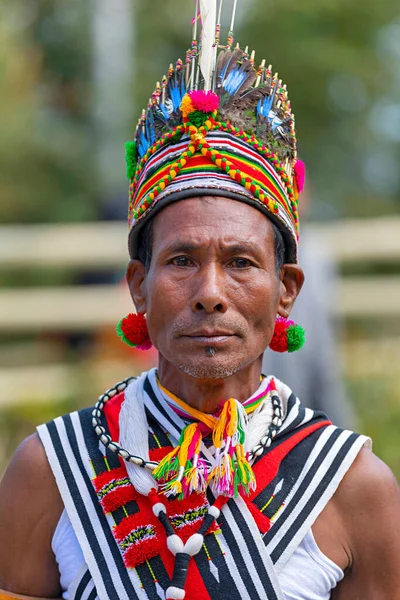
x=265, y=441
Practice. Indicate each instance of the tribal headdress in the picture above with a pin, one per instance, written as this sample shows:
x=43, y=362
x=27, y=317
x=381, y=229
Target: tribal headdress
x=216, y=125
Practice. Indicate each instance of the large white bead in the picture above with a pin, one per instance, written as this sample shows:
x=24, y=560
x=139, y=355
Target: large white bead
x=194, y=544
x=174, y=592
x=175, y=545
x=159, y=507
x=214, y=511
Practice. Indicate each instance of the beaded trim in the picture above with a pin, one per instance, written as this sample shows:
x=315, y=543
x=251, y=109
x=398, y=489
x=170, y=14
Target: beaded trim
x=112, y=445
x=197, y=142
x=105, y=438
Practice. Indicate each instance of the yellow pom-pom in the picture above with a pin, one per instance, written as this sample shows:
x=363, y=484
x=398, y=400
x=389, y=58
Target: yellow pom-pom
x=247, y=185
x=183, y=162
x=151, y=195
x=218, y=162
x=162, y=185
x=232, y=174
x=186, y=105
x=173, y=173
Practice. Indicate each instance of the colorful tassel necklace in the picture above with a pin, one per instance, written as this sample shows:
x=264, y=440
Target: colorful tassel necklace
x=183, y=471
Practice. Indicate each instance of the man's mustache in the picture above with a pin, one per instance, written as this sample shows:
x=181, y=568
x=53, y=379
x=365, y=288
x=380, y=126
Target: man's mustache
x=233, y=325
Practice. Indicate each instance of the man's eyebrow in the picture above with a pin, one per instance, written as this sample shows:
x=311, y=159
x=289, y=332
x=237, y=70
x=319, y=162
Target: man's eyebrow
x=239, y=247
x=233, y=247
x=181, y=246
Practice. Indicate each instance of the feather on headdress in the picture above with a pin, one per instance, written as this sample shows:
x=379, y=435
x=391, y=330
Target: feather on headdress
x=217, y=111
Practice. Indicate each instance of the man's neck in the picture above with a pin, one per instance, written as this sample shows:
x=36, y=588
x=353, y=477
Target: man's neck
x=207, y=394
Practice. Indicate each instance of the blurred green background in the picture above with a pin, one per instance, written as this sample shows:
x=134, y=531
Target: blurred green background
x=73, y=79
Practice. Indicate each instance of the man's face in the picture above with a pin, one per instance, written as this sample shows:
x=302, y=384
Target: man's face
x=212, y=293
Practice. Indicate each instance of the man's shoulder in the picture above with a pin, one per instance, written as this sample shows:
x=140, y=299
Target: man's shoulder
x=29, y=472
x=30, y=508
x=369, y=482
x=368, y=500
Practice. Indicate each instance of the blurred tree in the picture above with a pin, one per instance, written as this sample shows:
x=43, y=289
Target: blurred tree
x=45, y=137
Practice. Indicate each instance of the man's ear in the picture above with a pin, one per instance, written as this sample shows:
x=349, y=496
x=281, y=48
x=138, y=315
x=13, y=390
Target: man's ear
x=292, y=279
x=136, y=276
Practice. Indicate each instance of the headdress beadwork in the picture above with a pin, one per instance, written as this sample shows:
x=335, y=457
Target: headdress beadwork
x=217, y=125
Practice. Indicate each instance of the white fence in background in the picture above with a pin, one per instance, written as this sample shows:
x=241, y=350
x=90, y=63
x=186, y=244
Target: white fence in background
x=103, y=246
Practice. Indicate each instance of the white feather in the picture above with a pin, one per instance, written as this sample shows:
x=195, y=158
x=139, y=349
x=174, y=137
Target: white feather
x=208, y=12
x=134, y=431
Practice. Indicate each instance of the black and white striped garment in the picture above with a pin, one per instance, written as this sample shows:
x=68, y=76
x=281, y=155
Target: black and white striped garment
x=245, y=564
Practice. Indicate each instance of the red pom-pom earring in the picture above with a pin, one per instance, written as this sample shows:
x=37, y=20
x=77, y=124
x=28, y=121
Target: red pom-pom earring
x=132, y=330
x=288, y=337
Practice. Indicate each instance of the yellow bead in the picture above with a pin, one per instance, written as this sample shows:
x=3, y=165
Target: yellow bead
x=151, y=195
x=162, y=185
x=183, y=162
x=232, y=173
x=173, y=173
x=218, y=162
x=247, y=185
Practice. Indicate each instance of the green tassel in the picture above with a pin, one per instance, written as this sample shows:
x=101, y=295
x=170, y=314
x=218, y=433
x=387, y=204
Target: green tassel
x=198, y=118
x=120, y=334
x=130, y=159
x=296, y=337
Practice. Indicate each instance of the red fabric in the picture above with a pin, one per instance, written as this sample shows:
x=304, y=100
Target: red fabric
x=176, y=508
x=118, y=497
x=111, y=412
x=157, y=454
x=262, y=522
x=267, y=467
x=104, y=478
x=131, y=522
x=142, y=551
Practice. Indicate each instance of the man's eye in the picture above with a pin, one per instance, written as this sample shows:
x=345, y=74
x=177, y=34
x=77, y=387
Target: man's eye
x=240, y=263
x=182, y=261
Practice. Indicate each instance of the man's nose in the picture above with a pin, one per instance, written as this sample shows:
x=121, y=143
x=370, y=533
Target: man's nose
x=210, y=293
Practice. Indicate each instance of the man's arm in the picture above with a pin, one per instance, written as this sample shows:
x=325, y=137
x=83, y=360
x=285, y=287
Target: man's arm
x=30, y=507
x=369, y=501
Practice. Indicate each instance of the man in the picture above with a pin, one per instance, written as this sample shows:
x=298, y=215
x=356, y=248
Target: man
x=203, y=478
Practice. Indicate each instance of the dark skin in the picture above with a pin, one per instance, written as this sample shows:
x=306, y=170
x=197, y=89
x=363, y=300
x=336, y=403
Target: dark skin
x=218, y=288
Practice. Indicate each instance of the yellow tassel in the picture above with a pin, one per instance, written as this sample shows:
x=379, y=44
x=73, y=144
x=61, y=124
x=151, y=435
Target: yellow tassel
x=232, y=421
x=218, y=433
x=189, y=432
x=172, y=488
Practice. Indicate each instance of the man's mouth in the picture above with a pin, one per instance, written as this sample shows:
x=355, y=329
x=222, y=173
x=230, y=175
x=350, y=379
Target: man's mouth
x=209, y=337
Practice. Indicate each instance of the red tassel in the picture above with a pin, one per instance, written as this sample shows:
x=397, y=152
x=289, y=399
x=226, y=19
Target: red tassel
x=133, y=330
x=279, y=342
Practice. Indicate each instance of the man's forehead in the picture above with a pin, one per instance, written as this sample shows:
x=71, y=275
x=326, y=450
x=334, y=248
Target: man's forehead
x=199, y=224
x=216, y=213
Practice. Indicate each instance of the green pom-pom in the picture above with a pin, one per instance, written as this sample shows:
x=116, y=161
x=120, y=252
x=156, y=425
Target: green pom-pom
x=198, y=118
x=130, y=159
x=121, y=334
x=296, y=337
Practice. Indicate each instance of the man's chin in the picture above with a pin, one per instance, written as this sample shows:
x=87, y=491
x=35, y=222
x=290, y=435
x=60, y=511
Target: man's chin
x=208, y=371
x=209, y=368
